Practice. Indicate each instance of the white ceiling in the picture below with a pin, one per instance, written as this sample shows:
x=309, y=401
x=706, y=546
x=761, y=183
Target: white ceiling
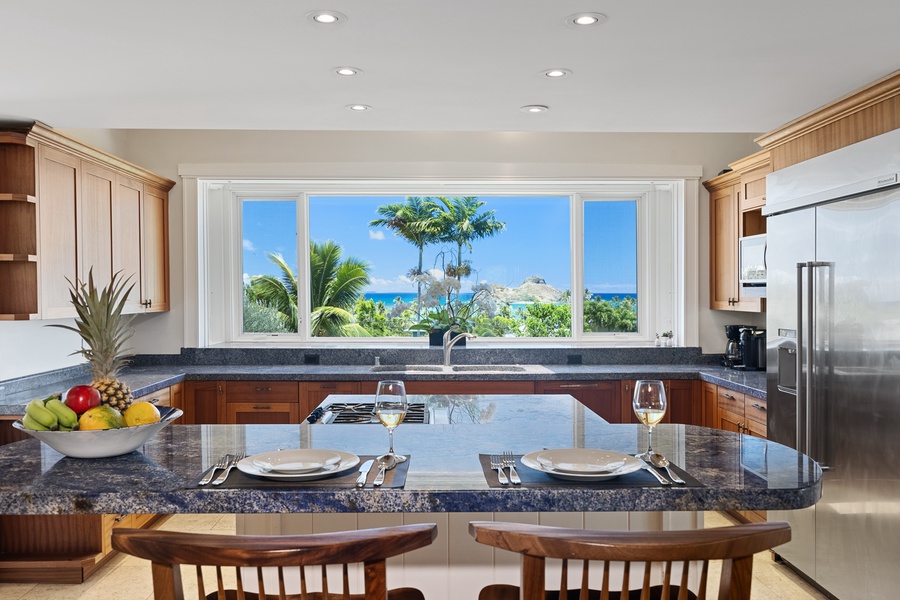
x=431, y=65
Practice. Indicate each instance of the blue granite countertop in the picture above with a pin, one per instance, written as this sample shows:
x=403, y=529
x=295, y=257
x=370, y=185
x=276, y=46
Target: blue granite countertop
x=737, y=471
x=14, y=395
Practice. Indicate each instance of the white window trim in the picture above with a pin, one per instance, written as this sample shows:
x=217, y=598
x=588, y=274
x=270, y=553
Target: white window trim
x=204, y=286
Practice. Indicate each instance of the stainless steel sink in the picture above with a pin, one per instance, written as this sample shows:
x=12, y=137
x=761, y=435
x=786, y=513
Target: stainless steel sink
x=488, y=368
x=407, y=368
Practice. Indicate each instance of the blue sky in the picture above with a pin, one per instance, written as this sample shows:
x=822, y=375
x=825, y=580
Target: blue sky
x=536, y=241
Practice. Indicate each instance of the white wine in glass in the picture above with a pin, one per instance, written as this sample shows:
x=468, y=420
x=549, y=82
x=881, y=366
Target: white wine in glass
x=650, y=407
x=390, y=408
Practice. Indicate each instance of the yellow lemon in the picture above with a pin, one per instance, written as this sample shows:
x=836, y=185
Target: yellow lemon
x=140, y=413
x=101, y=417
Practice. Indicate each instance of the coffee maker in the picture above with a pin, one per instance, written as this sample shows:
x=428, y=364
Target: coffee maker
x=753, y=349
x=733, y=355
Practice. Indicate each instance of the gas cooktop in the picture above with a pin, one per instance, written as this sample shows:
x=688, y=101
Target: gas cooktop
x=363, y=412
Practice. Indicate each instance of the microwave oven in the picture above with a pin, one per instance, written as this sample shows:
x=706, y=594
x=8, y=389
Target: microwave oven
x=752, y=265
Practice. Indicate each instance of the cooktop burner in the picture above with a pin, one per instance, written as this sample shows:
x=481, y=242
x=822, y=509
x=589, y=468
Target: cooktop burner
x=364, y=412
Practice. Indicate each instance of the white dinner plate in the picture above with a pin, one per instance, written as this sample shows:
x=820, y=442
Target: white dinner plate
x=347, y=462
x=581, y=464
x=295, y=462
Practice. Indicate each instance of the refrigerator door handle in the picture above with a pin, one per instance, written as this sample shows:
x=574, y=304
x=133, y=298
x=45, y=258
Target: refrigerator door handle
x=802, y=386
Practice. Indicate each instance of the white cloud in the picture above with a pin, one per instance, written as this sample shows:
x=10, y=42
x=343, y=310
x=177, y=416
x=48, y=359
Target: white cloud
x=248, y=246
x=246, y=279
x=376, y=235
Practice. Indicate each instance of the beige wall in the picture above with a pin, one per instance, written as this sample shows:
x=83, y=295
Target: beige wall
x=28, y=347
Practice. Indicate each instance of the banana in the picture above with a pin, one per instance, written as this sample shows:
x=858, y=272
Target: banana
x=64, y=428
x=51, y=397
x=37, y=411
x=30, y=423
x=65, y=415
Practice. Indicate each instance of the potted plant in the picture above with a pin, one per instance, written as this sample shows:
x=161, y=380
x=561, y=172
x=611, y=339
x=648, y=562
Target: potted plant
x=446, y=308
x=668, y=338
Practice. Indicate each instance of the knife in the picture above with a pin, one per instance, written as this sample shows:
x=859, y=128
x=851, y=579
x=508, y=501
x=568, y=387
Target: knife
x=364, y=473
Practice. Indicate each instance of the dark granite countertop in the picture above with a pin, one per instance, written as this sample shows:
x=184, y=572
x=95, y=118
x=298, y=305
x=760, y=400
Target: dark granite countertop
x=737, y=471
x=14, y=395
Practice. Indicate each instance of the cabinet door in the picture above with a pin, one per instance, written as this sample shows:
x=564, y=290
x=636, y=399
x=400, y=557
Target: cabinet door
x=469, y=387
x=730, y=421
x=723, y=260
x=155, y=251
x=95, y=223
x=255, y=413
x=756, y=412
x=313, y=392
x=710, y=402
x=58, y=197
x=126, y=237
x=602, y=397
x=202, y=400
x=685, y=406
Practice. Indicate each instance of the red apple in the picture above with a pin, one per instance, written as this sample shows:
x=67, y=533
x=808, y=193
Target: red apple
x=81, y=398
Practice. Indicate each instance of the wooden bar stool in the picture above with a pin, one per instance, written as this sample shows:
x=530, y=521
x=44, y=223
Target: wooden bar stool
x=275, y=562
x=661, y=561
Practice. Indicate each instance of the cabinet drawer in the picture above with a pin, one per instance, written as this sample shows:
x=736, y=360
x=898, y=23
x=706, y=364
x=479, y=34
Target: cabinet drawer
x=268, y=391
x=755, y=409
x=255, y=413
x=730, y=400
x=161, y=397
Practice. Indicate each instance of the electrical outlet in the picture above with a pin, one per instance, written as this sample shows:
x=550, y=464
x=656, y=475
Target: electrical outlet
x=310, y=359
x=573, y=359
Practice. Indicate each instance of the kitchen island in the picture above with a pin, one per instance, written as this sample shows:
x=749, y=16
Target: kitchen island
x=736, y=471
x=445, y=483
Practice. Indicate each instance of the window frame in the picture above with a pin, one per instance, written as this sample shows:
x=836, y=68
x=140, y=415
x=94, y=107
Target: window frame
x=660, y=241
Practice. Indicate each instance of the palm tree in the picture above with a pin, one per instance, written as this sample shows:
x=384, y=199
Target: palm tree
x=414, y=220
x=334, y=288
x=279, y=294
x=460, y=222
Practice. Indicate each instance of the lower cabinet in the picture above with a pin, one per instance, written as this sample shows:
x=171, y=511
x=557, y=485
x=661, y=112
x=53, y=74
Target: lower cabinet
x=204, y=403
x=313, y=392
x=602, y=397
x=683, y=403
x=260, y=402
x=60, y=548
x=466, y=387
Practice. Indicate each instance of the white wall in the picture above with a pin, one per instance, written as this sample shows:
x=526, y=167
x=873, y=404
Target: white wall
x=28, y=347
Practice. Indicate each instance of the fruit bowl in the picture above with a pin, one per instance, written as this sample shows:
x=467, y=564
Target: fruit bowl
x=102, y=443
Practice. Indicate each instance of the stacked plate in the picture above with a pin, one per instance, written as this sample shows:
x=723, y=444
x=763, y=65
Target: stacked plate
x=581, y=464
x=298, y=465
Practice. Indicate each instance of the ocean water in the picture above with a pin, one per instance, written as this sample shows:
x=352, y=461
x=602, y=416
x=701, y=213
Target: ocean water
x=389, y=298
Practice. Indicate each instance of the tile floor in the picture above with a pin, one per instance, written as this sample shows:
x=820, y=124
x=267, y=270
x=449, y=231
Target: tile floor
x=128, y=578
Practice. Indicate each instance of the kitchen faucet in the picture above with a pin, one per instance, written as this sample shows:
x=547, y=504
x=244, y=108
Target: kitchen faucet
x=448, y=343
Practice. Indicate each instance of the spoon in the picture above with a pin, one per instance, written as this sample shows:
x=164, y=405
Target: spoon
x=385, y=462
x=658, y=460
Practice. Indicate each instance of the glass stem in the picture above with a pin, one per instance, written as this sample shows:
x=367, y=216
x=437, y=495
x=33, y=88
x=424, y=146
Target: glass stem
x=391, y=438
x=649, y=441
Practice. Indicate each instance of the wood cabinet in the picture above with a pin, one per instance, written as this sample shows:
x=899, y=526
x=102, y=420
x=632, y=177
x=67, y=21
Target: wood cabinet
x=468, y=387
x=204, y=402
x=256, y=402
x=736, y=200
x=313, y=392
x=709, y=395
x=602, y=397
x=741, y=413
x=67, y=209
x=682, y=399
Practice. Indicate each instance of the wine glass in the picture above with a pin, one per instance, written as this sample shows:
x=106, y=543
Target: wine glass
x=650, y=406
x=390, y=408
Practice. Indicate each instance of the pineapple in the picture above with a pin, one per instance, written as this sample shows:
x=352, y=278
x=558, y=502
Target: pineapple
x=104, y=331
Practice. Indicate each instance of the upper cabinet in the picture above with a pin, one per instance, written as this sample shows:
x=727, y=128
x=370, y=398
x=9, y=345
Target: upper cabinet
x=736, y=200
x=89, y=212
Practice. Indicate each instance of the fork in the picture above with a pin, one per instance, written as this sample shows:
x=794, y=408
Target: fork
x=510, y=461
x=221, y=464
x=234, y=461
x=497, y=464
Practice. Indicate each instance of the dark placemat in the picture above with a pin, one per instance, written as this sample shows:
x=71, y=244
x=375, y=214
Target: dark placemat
x=394, y=478
x=533, y=478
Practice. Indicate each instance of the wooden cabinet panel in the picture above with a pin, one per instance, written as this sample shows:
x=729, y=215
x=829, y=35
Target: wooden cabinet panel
x=8, y=434
x=730, y=421
x=262, y=391
x=710, y=400
x=731, y=401
x=95, y=227
x=126, y=239
x=602, y=397
x=256, y=413
x=155, y=249
x=202, y=402
x=684, y=404
x=59, y=191
x=469, y=387
x=313, y=392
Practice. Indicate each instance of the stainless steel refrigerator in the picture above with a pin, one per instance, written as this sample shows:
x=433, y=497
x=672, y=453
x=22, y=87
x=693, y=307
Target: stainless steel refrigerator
x=833, y=356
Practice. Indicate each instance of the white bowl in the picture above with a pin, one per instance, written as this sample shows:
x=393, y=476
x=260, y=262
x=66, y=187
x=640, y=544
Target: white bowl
x=103, y=443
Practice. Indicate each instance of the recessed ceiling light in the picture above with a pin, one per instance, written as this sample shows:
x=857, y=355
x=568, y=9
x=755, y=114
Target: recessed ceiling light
x=556, y=73
x=535, y=108
x=586, y=19
x=358, y=107
x=326, y=17
x=348, y=71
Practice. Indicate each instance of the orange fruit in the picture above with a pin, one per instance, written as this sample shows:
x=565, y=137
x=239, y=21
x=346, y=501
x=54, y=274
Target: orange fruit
x=101, y=417
x=140, y=413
